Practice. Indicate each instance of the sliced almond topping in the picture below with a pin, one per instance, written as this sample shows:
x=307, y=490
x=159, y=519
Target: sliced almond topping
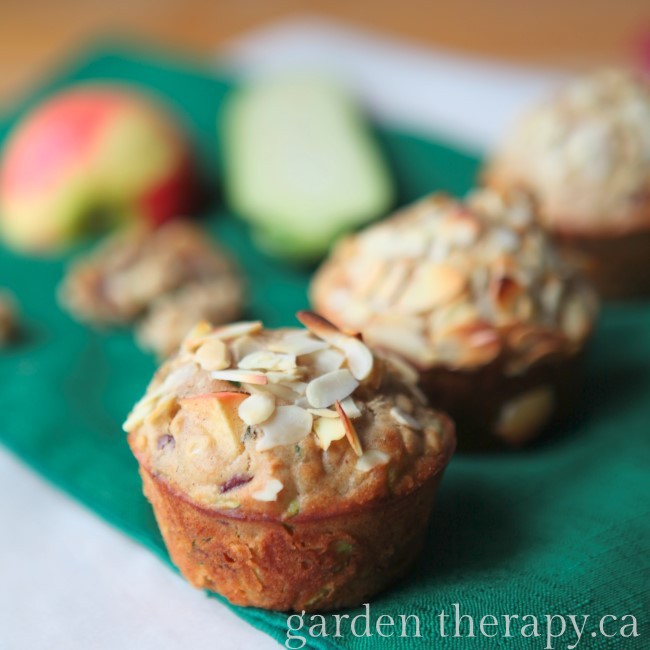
x=264, y=360
x=288, y=425
x=402, y=417
x=324, y=413
x=257, y=408
x=297, y=344
x=213, y=355
x=388, y=291
x=283, y=377
x=350, y=431
x=350, y=408
x=319, y=326
x=327, y=430
x=280, y=391
x=236, y=330
x=359, y=357
x=327, y=389
x=370, y=459
x=196, y=336
x=327, y=360
x=243, y=346
x=269, y=492
x=431, y=285
x=139, y=413
x=243, y=376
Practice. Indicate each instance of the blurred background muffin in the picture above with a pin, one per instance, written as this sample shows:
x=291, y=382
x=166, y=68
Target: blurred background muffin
x=474, y=295
x=585, y=154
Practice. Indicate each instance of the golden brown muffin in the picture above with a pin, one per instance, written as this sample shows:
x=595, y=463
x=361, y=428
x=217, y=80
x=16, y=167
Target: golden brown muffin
x=474, y=296
x=165, y=279
x=288, y=469
x=585, y=154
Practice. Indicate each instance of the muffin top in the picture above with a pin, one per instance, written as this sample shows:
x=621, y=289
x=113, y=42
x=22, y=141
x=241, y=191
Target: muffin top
x=286, y=423
x=445, y=283
x=585, y=154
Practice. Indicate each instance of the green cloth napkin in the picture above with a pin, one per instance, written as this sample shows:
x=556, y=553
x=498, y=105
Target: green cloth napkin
x=559, y=529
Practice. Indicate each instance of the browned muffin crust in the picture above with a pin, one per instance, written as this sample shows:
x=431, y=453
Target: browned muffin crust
x=273, y=468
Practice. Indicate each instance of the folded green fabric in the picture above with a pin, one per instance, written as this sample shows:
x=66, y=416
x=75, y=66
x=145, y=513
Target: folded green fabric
x=561, y=529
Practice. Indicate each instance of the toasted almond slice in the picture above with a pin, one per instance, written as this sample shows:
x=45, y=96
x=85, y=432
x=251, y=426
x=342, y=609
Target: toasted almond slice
x=235, y=330
x=359, y=358
x=455, y=314
x=265, y=360
x=402, y=417
x=270, y=491
x=327, y=389
x=297, y=343
x=430, y=286
x=196, y=336
x=392, y=282
x=319, y=326
x=280, y=391
x=244, y=376
x=283, y=377
x=370, y=459
x=257, y=408
x=243, y=346
x=327, y=430
x=288, y=425
x=327, y=360
x=139, y=413
x=350, y=431
x=324, y=413
x=350, y=408
x=407, y=372
x=213, y=355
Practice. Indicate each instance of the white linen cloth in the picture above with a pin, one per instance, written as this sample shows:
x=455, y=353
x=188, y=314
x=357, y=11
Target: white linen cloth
x=67, y=579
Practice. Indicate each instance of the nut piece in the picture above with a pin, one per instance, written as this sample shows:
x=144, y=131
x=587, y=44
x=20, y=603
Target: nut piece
x=244, y=376
x=327, y=389
x=257, y=408
x=522, y=417
x=350, y=431
x=431, y=285
x=370, y=459
x=289, y=424
x=269, y=492
x=213, y=355
x=402, y=417
x=327, y=430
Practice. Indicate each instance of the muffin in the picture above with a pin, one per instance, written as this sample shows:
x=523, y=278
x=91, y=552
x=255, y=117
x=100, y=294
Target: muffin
x=475, y=297
x=163, y=280
x=288, y=469
x=585, y=154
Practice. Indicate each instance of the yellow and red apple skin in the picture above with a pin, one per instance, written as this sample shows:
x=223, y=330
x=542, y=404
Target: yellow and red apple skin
x=89, y=151
x=217, y=414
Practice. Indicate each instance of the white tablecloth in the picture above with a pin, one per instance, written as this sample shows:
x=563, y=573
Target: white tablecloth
x=71, y=582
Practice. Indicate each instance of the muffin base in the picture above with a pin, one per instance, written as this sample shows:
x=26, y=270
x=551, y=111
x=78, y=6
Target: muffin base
x=618, y=264
x=317, y=563
x=475, y=399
